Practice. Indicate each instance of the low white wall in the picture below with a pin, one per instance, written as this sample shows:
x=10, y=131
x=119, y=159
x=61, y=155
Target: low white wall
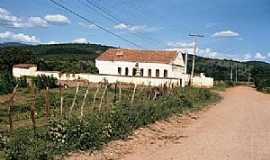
x=203, y=82
x=20, y=72
x=54, y=74
x=181, y=79
x=135, y=80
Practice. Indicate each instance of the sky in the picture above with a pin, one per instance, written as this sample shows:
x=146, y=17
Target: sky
x=232, y=29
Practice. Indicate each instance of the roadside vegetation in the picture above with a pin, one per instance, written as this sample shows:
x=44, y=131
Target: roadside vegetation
x=106, y=118
x=261, y=76
x=223, y=85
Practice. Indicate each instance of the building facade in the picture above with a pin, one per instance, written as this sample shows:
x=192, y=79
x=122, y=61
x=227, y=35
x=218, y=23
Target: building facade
x=20, y=70
x=152, y=68
x=154, y=64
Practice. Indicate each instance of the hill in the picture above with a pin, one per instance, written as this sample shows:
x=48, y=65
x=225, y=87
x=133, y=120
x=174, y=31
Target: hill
x=80, y=58
x=12, y=44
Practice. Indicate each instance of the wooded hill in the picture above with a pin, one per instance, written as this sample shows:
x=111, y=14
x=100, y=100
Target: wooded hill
x=80, y=58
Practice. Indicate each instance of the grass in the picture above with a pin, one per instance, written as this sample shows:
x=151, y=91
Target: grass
x=117, y=120
x=2, y=155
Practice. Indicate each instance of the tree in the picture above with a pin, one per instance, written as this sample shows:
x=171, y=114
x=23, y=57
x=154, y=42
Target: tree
x=10, y=56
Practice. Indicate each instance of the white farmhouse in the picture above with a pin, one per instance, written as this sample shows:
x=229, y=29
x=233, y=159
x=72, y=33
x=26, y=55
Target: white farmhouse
x=155, y=64
x=20, y=70
x=140, y=67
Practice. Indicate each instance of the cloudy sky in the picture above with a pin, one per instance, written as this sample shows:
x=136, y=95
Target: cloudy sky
x=232, y=29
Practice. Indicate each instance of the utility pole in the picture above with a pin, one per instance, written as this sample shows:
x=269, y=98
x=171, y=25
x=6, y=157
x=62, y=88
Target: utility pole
x=231, y=74
x=195, y=36
x=236, y=74
x=186, y=62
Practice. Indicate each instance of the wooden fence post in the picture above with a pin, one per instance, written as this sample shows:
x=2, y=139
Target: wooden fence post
x=47, y=103
x=101, y=100
x=10, y=105
x=33, y=108
x=61, y=100
x=133, y=94
x=120, y=92
x=83, y=103
x=74, y=99
x=115, y=92
x=95, y=96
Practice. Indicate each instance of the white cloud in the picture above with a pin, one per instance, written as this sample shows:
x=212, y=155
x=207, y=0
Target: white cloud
x=247, y=57
x=80, y=40
x=57, y=19
x=37, y=21
x=208, y=52
x=20, y=37
x=226, y=34
x=134, y=28
x=181, y=44
x=120, y=26
x=9, y=20
x=89, y=26
x=259, y=56
x=52, y=42
x=268, y=55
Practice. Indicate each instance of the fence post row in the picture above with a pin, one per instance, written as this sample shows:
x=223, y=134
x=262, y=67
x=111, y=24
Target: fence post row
x=47, y=103
x=33, y=108
x=83, y=103
x=101, y=100
x=10, y=105
x=74, y=100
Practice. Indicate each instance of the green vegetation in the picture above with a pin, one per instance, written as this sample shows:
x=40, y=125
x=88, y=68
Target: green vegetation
x=261, y=76
x=114, y=121
x=71, y=58
x=8, y=57
x=80, y=58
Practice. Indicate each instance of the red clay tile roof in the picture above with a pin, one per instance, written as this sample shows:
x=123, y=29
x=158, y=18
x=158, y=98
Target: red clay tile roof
x=165, y=57
x=24, y=65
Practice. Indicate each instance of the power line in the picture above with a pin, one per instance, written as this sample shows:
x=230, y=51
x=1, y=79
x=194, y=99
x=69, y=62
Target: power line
x=114, y=19
x=92, y=22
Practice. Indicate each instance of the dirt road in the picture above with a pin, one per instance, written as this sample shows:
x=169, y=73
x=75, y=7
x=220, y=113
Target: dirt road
x=237, y=128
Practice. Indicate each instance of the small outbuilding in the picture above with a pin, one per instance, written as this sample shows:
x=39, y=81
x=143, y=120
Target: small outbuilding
x=20, y=70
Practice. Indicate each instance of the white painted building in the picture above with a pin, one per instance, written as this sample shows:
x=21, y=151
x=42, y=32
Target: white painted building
x=20, y=70
x=154, y=64
x=139, y=67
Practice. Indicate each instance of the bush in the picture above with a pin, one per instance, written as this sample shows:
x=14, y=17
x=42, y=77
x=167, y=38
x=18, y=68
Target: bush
x=98, y=128
x=7, y=83
x=22, y=82
x=45, y=81
x=24, y=145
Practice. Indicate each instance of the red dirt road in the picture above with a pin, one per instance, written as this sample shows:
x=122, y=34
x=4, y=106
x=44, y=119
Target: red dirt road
x=237, y=128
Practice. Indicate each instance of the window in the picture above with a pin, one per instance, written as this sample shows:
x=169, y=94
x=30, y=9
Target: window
x=149, y=73
x=141, y=72
x=119, y=70
x=157, y=72
x=134, y=72
x=126, y=71
x=165, y=73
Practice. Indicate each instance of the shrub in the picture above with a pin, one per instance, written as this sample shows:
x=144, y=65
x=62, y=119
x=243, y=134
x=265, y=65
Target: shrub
x=24, y=145
x=98, y=128
x=45, y=81
x=22, y=82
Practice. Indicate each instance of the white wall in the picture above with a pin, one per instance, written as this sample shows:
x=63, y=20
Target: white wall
x=54, y=74
x=111, y=68
x=134, y=80
x=20, y=72
x=202, y=81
